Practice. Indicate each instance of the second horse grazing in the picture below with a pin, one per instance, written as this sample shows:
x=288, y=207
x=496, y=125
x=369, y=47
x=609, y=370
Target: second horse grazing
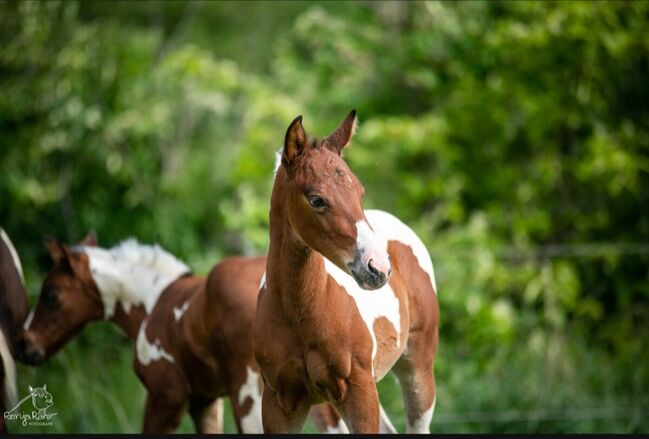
x=349, y=294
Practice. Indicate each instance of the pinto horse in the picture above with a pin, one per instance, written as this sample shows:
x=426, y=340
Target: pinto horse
x=320, y=334
x=13, y=309
x=193, y=335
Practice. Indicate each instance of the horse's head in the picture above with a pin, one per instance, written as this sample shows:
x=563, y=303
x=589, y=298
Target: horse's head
x=41, y=398
x=68, y=300
x=322, y=200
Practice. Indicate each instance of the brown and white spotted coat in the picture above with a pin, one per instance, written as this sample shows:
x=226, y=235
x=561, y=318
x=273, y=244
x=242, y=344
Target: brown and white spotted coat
x=349, y=294
x=193, y=334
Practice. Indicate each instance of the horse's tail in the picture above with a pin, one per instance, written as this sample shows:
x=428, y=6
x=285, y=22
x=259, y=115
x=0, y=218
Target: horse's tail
x=10, y=394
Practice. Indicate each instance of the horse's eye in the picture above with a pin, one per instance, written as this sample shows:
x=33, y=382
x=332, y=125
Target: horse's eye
x=51, y=298
x=317, y=202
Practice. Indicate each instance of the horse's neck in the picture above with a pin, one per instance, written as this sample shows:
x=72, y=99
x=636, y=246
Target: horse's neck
x=295, y=274
x=131, y=321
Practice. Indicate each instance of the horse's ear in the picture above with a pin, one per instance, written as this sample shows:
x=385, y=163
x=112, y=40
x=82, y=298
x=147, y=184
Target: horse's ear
x=74, y=261
x=31, y=389
x=294, y=141
x=342, y=136
x=55, y=248
x=90, y=239
x=44, y=386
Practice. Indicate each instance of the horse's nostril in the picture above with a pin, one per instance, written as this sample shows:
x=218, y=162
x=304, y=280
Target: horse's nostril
x=371, y=268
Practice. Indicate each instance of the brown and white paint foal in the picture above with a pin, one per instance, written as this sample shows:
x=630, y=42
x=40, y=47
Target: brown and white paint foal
x=193, y=335
x=13, y=309
x=349, y=294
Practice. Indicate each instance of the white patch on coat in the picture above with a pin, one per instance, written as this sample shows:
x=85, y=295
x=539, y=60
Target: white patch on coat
x=28, y=320
x=178, y=312
x=278, y=159
x=149, y=352
x=10, y=393
x=386, y=424
x=422, y=423
x=14, y=254
x=371, y=305
x=391, y=228
x=132, y=274
x=262, y=282
x=251, y=423
x=340, y=428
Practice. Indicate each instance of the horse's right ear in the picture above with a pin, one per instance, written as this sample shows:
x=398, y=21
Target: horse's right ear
x=31, y=389
x=294, y=141
x=90, y=239
x=55, y=247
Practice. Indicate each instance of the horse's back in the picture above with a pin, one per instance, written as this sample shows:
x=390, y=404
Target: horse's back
x=392, y=229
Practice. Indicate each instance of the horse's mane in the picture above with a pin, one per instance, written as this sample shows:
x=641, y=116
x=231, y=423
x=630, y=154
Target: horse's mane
x=132, y=273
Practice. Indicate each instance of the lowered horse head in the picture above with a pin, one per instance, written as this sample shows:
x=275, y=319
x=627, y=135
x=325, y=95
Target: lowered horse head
x=321, y=200
x=68, y=300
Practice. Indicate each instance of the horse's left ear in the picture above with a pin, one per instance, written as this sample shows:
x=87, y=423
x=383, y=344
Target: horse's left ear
x=44, y=386
x=90, y=239
x=342, y=136
x=31, y=389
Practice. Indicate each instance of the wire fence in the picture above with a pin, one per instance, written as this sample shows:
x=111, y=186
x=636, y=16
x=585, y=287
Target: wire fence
x=547, y=251
x=544, y=415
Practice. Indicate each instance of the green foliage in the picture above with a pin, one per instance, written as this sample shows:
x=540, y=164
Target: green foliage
x=509, y=135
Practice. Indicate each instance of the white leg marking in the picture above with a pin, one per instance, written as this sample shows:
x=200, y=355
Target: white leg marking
x=422, y=424
x=178, y=312
x=386, y=424
x=148, y=352
x=341, y=428
x=14, y=254
x=251, y=422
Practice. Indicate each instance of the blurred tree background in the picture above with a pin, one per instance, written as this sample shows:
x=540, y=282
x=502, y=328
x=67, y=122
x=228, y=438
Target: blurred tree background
x=512, y=136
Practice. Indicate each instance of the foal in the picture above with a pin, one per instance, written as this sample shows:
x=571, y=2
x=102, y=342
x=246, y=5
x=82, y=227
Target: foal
x=320, y=335
x=193, y=335
x=13, y=309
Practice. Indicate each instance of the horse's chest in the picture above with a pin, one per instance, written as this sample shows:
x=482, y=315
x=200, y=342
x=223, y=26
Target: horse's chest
x=382, y=312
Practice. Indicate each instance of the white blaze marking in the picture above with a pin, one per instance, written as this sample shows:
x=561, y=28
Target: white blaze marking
x=392, y=229
x=422, y=423
x=371, y=305
x=10, y=393
x=149, y=352
x=28, y=320
x=178, y=312
x=132, y=274
x=251, y=423
x=371, y=243
x=14, y=254
x=341, y=428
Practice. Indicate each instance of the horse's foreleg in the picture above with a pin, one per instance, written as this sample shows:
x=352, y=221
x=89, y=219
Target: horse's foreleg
x=278, y=420
x=207, y=415
x=162, y=414
x=327, y=420
x=360, y=408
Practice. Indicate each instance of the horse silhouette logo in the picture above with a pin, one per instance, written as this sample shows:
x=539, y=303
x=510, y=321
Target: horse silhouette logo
x=41, y=401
